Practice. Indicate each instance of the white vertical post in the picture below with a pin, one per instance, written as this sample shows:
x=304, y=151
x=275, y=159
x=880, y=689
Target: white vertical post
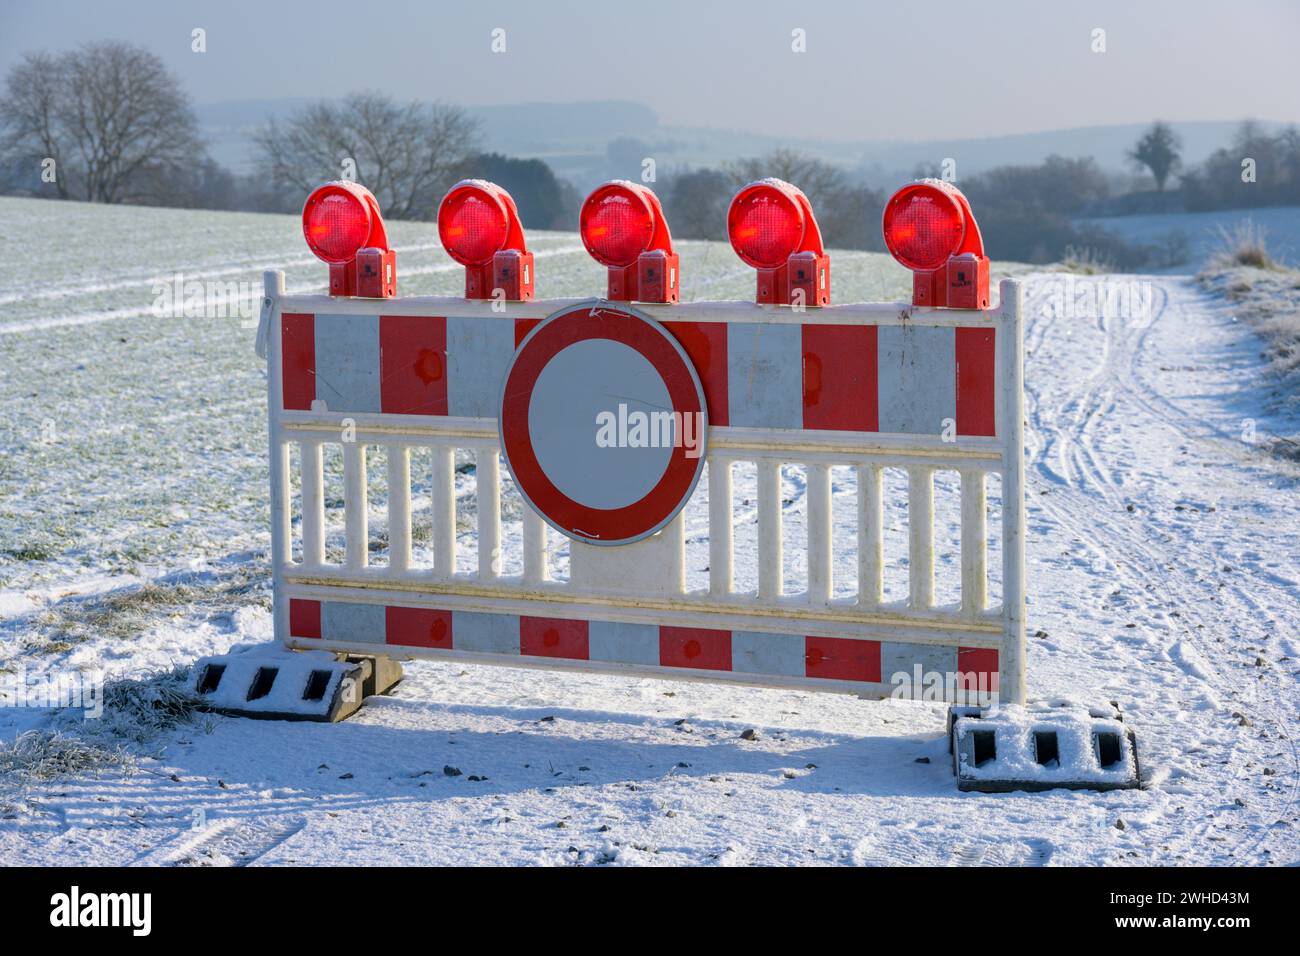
x=920, y=533
x=313, y=505
x=871, y=539
x=399, y=508
x=535, y=571
x=770, y=558
x=272, y=290
x=355, y=506
x=281, y=519
x=974, y=544
x=443, y=519
x=721, y=547
x=1011, y=429
x=487, y=472
x=819, y=533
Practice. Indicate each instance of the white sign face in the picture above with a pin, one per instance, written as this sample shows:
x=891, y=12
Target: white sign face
x=603, y=423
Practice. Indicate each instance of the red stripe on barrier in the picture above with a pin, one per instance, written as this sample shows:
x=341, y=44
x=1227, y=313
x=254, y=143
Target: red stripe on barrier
x=298, y=360
x=413, y=364
x=522, y=328
x=418, y=627
x=841, y=658
x=553, y=637
x=706, y=346
x=699, y=647
x=840, y=379
x=977, y=668
x=304, y=618
x=976, y=368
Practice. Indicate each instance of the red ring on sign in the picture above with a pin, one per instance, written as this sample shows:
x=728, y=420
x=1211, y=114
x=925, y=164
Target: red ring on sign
x=659, y=505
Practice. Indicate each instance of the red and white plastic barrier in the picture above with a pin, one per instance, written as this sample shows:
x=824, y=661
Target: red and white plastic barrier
x=776, y=396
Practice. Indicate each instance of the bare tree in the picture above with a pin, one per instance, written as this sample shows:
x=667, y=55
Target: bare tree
x=29, y=110
x=1157, y=150
x=109, y=114
x=818, y=179
x=406, y=154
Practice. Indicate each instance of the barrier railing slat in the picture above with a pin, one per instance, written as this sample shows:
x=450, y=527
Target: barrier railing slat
x=871, y=540
x=920, y=532
x=974, y=544
x=721, y=538
x=399, y=508
x=487, y=471
x=819, y=533
x=281, y=518
x=313, y=505
x=443, y=518
x=769, y=529
x=355, y=505
x=534, y=538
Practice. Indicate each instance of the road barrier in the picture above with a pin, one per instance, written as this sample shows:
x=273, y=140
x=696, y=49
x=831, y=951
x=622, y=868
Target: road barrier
x=418, y=382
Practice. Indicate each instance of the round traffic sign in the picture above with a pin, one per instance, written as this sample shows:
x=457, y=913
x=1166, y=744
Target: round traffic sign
x=603, y=423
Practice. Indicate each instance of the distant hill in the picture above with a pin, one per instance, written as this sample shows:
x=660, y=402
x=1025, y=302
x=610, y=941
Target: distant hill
x=549, y=123
x=575, y=139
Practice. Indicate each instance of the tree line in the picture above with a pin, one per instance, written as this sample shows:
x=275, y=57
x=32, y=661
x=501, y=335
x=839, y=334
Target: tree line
x=108, y=123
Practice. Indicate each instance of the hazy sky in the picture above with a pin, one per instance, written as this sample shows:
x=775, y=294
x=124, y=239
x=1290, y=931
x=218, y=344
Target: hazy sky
x=887, y=71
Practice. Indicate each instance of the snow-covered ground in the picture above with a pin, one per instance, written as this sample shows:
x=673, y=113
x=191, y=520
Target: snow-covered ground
x=1200, y=233
x=1163, y=572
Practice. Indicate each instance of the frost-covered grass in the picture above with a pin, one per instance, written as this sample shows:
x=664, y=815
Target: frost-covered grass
x=1085, y=261
x=1267, y=296
x=42, y=755
x=1243, y=244
x=133, y=715
x=139, y=710
x=127, y=611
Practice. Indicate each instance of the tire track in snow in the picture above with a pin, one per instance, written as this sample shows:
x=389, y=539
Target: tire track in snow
x=231, y=303
x=230, y=841
x=1112, y=409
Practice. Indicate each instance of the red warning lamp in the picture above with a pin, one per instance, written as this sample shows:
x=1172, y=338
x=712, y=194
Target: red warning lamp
x=929, y=228
x=772, y=228
x=479, y=227
x=623, y=227
x=343, y=228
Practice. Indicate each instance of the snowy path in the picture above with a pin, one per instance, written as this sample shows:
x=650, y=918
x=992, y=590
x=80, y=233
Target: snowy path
x=1163, y=572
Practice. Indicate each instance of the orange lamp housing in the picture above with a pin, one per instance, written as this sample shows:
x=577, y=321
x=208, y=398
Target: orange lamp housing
x=772, y=228
x=624, y=229
x=343, y=227
x=929, y=228
x=479, y=227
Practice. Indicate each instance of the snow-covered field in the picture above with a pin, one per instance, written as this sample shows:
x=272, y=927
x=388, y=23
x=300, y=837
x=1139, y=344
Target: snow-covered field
x=1163, y=572
x=1202, y=231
